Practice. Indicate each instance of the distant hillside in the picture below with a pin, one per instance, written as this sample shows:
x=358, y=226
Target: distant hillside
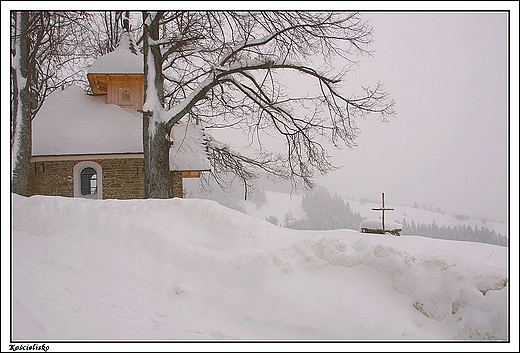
x=277, y=207
x=281, y=206
x=426, y=217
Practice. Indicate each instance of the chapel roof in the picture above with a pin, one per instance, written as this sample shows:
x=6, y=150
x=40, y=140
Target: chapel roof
x=70, y=122
x=188, y=151
x=123, y=60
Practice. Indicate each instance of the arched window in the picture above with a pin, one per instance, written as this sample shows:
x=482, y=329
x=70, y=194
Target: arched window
x=88, y=181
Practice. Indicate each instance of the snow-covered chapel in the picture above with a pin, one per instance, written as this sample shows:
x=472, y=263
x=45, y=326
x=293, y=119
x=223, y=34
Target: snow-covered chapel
x=91, y=146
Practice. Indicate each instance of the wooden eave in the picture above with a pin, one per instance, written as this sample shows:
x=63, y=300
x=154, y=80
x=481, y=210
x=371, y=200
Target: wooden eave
x=99, y=81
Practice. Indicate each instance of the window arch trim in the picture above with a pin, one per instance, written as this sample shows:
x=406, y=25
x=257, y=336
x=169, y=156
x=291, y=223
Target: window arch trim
x=78, y=169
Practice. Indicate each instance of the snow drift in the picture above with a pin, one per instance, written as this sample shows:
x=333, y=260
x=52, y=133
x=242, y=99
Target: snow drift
x=190, y=269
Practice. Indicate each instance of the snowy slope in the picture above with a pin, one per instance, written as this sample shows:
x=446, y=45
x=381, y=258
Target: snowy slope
x=425, y=217
x=190, y=269
x=278, y=204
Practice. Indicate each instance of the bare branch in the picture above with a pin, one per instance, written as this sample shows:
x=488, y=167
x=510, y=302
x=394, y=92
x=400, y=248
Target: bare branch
x=227, y=68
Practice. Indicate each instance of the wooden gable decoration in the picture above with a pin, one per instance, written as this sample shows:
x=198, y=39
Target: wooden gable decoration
x=125, y=90
x=119, y=75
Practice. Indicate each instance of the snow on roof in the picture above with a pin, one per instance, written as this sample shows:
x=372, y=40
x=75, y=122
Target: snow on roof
x=121, y=61
x=71, y=122
x=376, y=224
x=188, y=152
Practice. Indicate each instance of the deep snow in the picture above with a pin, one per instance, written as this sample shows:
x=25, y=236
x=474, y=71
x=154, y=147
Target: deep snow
x=191, y=269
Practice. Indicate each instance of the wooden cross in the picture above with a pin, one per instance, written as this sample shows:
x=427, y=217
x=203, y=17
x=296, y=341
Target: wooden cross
x=383, y=209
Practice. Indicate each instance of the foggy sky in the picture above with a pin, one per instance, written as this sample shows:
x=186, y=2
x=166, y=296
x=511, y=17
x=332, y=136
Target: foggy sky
x=447, y=146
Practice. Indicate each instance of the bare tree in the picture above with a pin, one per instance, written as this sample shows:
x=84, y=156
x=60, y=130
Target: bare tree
x=20, y=103
x=227, y=69
x=101, y=33
x=43, y=58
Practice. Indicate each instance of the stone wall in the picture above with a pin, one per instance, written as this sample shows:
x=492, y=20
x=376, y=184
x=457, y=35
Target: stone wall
x=51, y=178
x=176, y=178
x=123, y=178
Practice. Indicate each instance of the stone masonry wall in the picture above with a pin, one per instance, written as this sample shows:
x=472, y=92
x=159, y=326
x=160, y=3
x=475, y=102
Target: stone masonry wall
x=176, y=178
x=51, y=178
x=122, y=178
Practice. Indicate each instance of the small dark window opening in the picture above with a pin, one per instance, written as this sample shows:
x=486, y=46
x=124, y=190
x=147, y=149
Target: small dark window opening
x=88, y=181
x=125, y=97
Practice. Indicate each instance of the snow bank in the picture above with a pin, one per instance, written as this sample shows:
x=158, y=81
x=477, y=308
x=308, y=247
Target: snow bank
x=188, y=269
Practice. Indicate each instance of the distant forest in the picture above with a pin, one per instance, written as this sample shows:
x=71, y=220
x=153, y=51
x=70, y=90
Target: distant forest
x=459, y=232
x=327, y=212
x=324, y=212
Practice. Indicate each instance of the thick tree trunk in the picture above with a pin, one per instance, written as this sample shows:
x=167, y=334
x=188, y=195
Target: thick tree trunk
x=21, y=149
x=22, y=158
x=156, y=142
x=157, y=161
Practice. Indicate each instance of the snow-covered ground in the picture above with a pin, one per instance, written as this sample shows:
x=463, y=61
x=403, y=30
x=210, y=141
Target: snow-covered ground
x=191, y=269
